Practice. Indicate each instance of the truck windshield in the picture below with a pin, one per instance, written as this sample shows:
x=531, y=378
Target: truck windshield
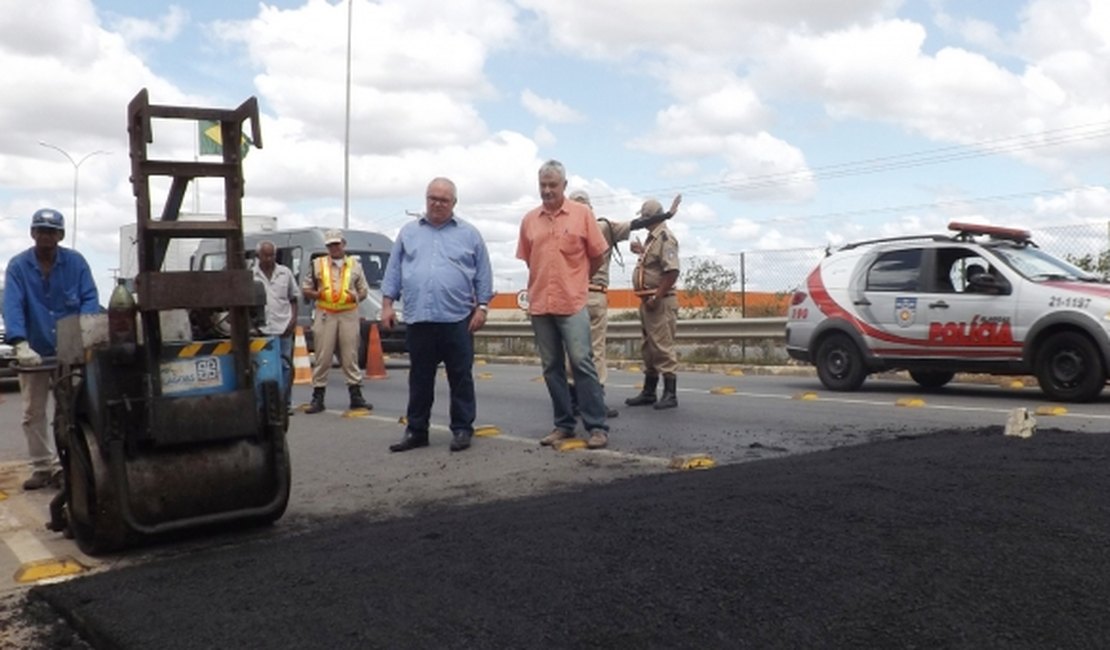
x=1037, y=265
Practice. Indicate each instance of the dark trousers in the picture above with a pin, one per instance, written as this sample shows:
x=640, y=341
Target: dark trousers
x=453, y=345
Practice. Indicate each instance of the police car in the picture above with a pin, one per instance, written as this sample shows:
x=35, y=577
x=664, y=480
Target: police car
x=984, y=299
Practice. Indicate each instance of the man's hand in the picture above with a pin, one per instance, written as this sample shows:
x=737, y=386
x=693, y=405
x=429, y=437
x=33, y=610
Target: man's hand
x=637, y=246
x=477, y=320
x=674, y=205
x=27, y=357
x=389, y=317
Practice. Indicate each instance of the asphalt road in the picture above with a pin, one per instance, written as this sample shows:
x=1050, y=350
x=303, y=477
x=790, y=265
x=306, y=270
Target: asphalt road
x=957, y=539
x=359, y=512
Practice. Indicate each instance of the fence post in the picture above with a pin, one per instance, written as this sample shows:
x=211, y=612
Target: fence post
x=743, y=305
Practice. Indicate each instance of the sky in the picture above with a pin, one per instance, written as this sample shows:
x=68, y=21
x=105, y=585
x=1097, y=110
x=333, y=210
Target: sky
x=787, y=125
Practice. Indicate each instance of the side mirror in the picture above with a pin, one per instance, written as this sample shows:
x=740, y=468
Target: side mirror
x=989, y=284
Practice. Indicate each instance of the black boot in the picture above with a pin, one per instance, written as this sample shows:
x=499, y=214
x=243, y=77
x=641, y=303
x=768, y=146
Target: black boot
x=357, y=402
x=647, y=395
x=670, y=397
x=317, y=403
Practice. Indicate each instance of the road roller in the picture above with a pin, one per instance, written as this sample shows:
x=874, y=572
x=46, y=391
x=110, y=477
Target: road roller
x=163, y=422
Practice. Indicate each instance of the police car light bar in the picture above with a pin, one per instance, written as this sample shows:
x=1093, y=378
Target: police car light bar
x=995, y=232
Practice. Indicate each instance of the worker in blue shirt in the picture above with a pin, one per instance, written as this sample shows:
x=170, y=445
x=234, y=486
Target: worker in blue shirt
x=440, y=266
x=43, y=283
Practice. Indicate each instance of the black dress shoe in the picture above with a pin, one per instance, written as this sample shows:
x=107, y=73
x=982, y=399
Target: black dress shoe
x=410, y=441
x=460, y=441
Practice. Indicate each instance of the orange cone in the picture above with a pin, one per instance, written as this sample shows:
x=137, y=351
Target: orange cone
x=302, y=369
x=375, y=362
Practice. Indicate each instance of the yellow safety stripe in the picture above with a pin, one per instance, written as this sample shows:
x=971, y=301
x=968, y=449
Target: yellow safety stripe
x=219, y=348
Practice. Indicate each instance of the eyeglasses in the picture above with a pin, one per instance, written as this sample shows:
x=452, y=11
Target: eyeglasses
x=440, y=199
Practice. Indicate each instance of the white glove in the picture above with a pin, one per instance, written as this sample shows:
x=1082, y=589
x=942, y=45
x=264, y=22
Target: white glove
x=26, y=356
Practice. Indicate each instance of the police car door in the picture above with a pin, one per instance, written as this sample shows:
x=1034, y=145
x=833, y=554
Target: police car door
x=890, y=303
x=963, y=321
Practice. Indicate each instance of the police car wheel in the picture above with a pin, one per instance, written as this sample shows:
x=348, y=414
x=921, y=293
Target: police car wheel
x=931, y=378
x=1069, y=368
x=840, y=364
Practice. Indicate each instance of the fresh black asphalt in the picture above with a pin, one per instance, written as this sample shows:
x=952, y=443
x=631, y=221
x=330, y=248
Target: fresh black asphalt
x=960, y=539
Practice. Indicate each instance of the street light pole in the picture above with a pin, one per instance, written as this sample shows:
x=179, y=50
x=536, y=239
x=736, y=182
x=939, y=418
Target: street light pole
x=76, y=174
x=347, y=130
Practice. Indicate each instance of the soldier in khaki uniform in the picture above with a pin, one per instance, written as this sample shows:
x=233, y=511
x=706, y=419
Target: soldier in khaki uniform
x=654, y=280
x=597, y=302
x=337, y=284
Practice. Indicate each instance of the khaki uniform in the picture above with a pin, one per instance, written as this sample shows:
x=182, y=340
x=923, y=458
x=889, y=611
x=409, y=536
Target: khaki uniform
x=337, y=328
x=597, y=302
x=660, y=256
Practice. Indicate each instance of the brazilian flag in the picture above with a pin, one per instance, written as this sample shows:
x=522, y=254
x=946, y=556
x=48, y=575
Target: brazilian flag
x=211, y=143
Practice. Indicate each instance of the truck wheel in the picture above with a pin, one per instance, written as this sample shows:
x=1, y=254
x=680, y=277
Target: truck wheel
x=840, y=364
x=1069, y=368
x=931, y=378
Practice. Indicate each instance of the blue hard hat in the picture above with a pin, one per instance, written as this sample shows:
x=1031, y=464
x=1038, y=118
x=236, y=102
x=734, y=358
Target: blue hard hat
x=48, y=218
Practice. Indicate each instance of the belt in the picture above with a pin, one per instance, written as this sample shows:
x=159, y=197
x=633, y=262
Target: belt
x=599, y=288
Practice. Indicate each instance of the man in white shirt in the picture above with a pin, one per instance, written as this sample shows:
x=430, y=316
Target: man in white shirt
x=281, y=306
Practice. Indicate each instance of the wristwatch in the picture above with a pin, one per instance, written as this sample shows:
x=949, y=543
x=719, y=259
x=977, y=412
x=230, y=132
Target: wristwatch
x=484, y=308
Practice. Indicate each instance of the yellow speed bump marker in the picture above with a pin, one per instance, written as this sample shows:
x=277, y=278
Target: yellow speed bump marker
x=487, y=430
x=633, y=368
x=569, y=444
x=540, y=378
x=911, y=402
x=692, y=461
x=805, y=396
x=46, y=569
x=1051, y=410
x=480, y=362
x=356, y=413
x=1015, y=384
x=736, y=372
x=722, y=390
x=404, y=419
x=485, y=375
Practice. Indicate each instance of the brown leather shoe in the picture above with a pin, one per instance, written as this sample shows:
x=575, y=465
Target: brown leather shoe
x=554, y=437
x=598, y=439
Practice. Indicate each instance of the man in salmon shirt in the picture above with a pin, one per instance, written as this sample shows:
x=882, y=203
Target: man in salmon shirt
x=562, y=245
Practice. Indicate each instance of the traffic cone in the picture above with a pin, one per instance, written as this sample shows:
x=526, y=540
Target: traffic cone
x=302, y=369
x=375, y=362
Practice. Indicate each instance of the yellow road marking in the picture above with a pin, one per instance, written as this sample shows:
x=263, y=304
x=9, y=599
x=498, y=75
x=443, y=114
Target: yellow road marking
x=806, y=396
x=487, y=430
x=40, y=570
x=692, y=461
x=722, y=390
x=911, y=402
x=570, y=444
x=1051, y=410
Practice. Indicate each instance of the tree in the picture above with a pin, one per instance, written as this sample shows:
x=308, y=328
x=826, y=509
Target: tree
x=712, y=283
x=1087, y=262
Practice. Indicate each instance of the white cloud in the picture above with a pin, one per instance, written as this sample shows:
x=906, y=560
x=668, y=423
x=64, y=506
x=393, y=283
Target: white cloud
x=135, y=31
x=549, y=110
x=544, y=137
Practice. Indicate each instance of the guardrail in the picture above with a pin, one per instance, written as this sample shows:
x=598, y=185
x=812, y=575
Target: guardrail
x=690, y=330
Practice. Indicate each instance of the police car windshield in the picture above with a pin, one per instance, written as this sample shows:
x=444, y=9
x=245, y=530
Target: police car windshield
x=1036, y=265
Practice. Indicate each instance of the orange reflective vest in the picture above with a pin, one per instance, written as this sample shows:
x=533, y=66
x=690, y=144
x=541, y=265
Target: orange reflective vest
x=334, y=295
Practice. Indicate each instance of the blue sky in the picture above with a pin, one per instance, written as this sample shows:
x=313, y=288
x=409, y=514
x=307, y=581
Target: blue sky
x=786, y=125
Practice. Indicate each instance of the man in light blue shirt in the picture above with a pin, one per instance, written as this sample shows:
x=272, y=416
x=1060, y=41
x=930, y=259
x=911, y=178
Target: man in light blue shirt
x=43, y=284
x=440, y=266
